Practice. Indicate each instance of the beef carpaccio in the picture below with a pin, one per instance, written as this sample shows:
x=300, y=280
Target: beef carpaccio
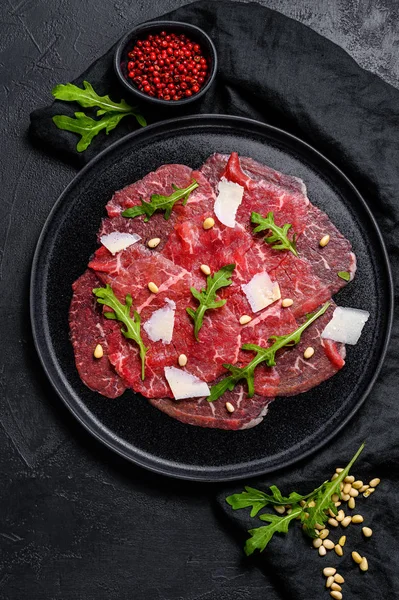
x=194, y=241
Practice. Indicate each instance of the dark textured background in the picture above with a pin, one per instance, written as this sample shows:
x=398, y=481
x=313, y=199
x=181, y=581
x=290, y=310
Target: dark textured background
x=70, y=526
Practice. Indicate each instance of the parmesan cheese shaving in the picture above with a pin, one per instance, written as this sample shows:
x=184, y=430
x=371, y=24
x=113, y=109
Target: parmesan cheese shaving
x=159, y=326
x=346, y=325
x=261, y=291
x=117, y=241
x=185, y=385
x=227, y=202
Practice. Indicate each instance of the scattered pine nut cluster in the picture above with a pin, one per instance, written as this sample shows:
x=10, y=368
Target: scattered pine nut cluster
x=349, y=490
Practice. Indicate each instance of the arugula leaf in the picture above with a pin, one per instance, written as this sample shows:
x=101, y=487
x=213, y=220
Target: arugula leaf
x=279, y=239
x=112, y=112
x=311, y=508
x=87, y=127
x=88, y=98
x=207, y=297
x=322, y=498
x=258, y=500
x=344, y=275
x=158, y=202
x=261, y=536
x=122, y=313
x=267, y=355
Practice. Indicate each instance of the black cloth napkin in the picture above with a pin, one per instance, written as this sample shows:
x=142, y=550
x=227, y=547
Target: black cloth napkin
x=277, y=70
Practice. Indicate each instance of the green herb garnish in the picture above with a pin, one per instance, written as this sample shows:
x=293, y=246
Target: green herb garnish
x=312, y=509
x=122, y=313
x=344, y=275
x=158, y=202
x=267, y=355
x=279, y=239
x=207, y=297
x=111, y=112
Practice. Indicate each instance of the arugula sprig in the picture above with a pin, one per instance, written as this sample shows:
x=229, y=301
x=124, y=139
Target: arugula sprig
x=267, y=355
x=111, y=112
x=159, y=202
x=278, y=239
x=311, y=509
x=122, y=313
x=207, y=297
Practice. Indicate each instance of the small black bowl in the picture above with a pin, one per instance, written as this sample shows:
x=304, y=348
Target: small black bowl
x=196, y=34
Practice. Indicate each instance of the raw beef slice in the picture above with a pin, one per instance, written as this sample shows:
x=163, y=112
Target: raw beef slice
x=219, y=339
x=88, y=328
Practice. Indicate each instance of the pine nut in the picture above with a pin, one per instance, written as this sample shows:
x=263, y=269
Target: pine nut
x=368, y=492
x=345, y=522
x=338, y=578
x=331, y=513
x=341, y=486
x=317, y=543
x=308, y=352
x=329, y=571
x=351, y=503
x=319, y=527
x=335, y=476
x=367, y=532
x=336, y=595
x=363, y=488
x=154, y=242
x=345, y=497
x=289, y=511
x=356, y=557
x=182, y=360
x=357, y=484
x=312, y=504
x=349, y=479
x=287, y=302
x=342, y=540
x=205, y=269
x=230, y=409
x=329, y=544
x=347, y=488
x=153, y=287
x=323, y=534
x=98, y=351
x=302, y=503
x=339, y=470
x=324, y=240
x=322, y=551
x=208, y=223
x=279, y=509
x=338, y=550
x=337, y=504
x=374, y=482
x=354, y=493
x=330, y=581
x=340, y=516
x=357, y=519
x=335, y=586
x=245, y=319
x=364, y=565
x=335, y=498
x=333, y=522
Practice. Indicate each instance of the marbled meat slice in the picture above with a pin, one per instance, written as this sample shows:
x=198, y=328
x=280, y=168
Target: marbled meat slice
x=298, y=374
x=311, y=278
x=248, y=412
x=157, y=182
x=219, y=339
x=88, y=327
x=269, y=191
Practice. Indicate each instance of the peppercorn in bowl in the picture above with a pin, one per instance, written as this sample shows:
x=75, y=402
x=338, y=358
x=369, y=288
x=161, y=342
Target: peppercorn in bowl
x=166, y=63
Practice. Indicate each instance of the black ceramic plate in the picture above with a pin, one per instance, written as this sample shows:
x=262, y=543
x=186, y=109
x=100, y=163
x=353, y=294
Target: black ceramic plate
x=294, y=427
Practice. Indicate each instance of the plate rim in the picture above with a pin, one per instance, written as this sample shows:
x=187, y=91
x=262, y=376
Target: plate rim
x=165, y=466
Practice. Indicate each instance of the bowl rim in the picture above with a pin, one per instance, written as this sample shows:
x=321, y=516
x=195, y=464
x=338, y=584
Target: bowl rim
x=147, y=26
